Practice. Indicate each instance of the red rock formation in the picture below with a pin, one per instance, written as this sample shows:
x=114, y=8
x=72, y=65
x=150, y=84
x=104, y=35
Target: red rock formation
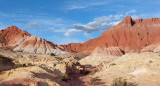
x=129, y=36
x=9, y=36
x=24, y=42
x=72, y=47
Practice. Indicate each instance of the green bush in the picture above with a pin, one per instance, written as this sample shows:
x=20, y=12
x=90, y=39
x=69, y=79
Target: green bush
x=119, y=82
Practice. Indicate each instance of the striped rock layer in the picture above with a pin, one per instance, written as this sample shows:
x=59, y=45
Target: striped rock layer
x=129, y=35
x=22, y=41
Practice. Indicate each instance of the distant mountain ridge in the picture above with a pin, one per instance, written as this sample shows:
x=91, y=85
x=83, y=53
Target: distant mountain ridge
x=130, y=35
x=22, y=41
x=139, y=35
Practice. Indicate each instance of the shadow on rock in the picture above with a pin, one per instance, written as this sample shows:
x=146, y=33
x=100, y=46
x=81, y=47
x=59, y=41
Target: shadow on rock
x=47, y=69
x=132, y=84
x=5, y=63
x=11, y=85
x=52, y=75
x=42, y=84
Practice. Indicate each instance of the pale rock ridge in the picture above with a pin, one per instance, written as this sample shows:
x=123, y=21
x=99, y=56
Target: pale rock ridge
x=109, y=51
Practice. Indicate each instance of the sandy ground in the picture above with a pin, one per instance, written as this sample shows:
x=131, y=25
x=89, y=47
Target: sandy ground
x=140, y=69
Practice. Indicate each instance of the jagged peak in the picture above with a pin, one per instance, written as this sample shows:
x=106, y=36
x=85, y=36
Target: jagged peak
x=127, y=21
x=15, y=28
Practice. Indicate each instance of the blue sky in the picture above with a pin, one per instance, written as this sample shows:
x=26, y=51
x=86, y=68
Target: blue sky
x=66, y=21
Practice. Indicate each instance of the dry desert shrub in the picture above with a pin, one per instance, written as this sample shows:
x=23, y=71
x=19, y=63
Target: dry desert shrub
x=119, y=82
x=112, y=64
x=96, y=81
x=52, y=54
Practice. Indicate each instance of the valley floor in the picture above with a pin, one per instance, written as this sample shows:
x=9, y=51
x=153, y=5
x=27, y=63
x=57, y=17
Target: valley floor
x=26, y=69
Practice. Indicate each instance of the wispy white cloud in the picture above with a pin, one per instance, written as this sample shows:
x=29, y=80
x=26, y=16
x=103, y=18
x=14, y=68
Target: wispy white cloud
x=100, y=23
x=135, y=16
x=56, y=30
x=71, y=31
x=114, y=23
x=60, y=25
x=76, y=7
x=131, y=11
x=96, y=24
x=48, y=23
x=85, y=5
x=32, y=24
x=88, y=35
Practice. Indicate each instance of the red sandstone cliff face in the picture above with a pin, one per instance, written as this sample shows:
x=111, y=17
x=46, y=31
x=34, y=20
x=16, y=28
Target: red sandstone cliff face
x=128, y=36
x=22, y=41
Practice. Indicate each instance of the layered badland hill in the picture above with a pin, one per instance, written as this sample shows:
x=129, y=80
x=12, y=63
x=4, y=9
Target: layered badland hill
x=22, y=41
x=128, y=36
